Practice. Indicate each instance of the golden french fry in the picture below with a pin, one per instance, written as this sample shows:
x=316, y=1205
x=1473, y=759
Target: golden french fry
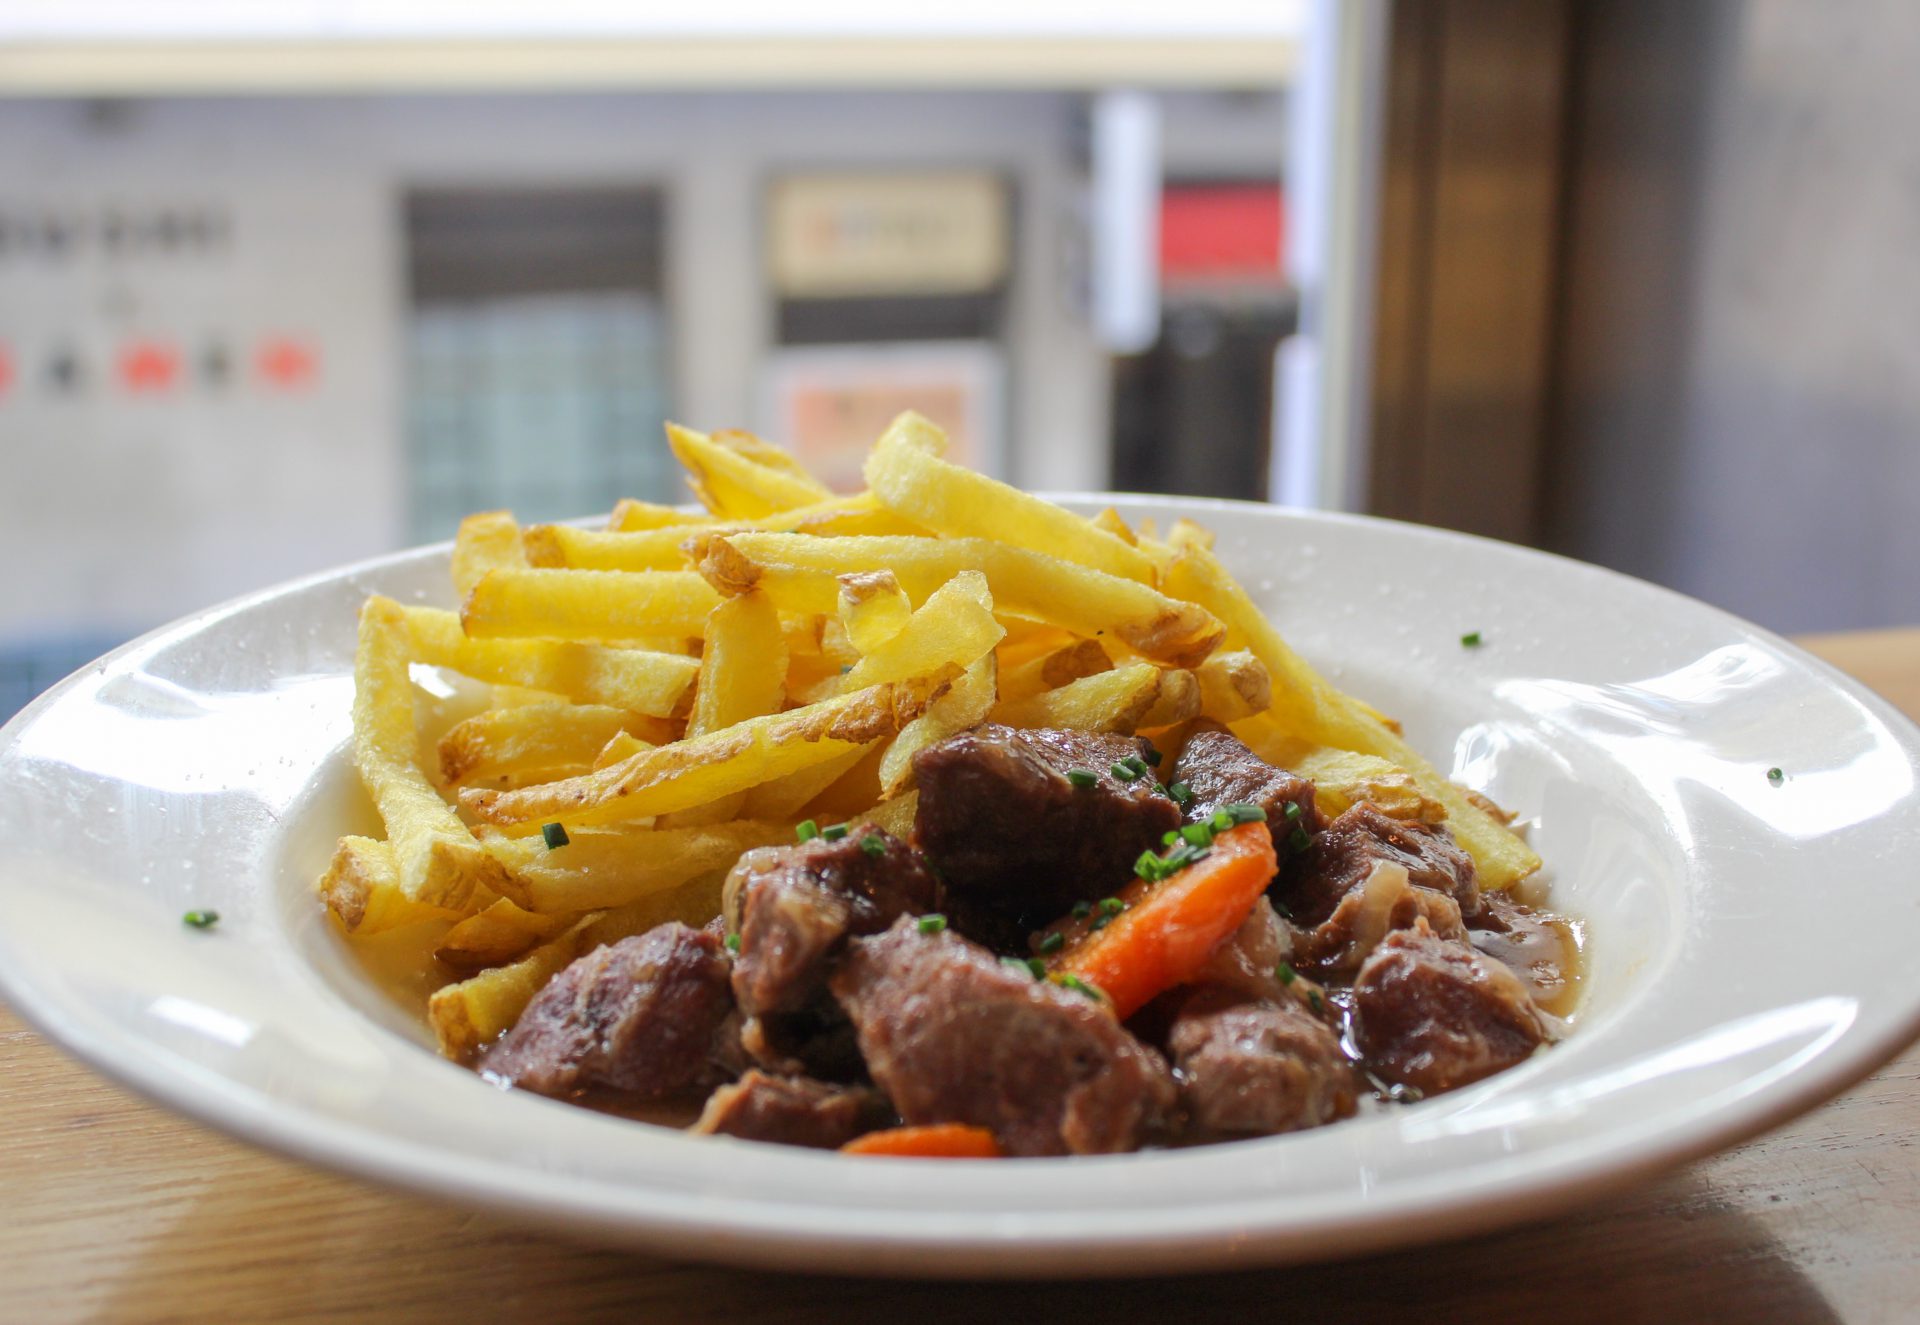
x=1306, y=705
x=561, y=546
x=622, y=746
x=361, y=886
x=496, y=936
x=906, y=473
x=1050, y=671
x=1341, y=778
x=1109, y=521
x=692, y=903
x=655, y=684
x=1178, y=700
x=607, y=867
x=801, y=575
x=631, y=516
x=439, y=863
x=532, y=737
x=954, y=626
x=694, y=772
x=1113, y=701
x=1233, y=686
x=895, y=815
x=738, y=482
x=965, y=706
x=784, y=797
x=489, y=540
x=742, y=675
x=469, y=1015
x=873, y=608
x=600, y=605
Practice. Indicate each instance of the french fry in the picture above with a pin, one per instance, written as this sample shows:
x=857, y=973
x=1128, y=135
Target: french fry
x=1233, y=686
x=693, y=772
x=489, y=540
x=873, y=608
x=622, y=746
x=1177, y=701
x=493, y=937
x=632, y=516
x=1341, y=778
x=801, y=575
x=954, y=626
x=965, y=706
x=1109, y=521
x=361, y=886
x=741, y=482
x=438, y=861
x=469, y=1015
x=599, y=605
x=561, y=546
x=906, y=473
x=1306, y=705
x=655, y=684
x=531, y=737
x=784, y=797
x=608, y=867
x=1050, y=671
x=895, y=814
x=742, y=675
x=1113, y=701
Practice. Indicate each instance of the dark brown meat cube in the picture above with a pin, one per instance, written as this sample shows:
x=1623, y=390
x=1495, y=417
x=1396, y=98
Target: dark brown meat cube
x=954, y=1035
x=1345, y=902
x=1249, y=960
x=1432, y=1013
x=1015, y=842
x=650, y=1015
x=1257, y=1068
x=1219, y=769
x=792, y=1111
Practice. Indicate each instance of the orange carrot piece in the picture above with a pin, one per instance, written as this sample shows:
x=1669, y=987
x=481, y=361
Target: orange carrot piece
x=934, y=1141
x=1169, y=929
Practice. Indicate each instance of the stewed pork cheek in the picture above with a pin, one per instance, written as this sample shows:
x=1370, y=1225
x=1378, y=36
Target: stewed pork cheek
x=954, y=1034
x=1257, y=1067
x=650, y=1016
x=793, y=1111
x=1022, y=824
x=796, y=906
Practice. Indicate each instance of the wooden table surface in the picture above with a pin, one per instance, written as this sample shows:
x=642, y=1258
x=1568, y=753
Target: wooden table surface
x=111, y=1209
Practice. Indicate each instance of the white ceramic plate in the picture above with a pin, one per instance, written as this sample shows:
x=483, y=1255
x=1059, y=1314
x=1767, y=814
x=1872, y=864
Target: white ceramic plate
x=1750, y=944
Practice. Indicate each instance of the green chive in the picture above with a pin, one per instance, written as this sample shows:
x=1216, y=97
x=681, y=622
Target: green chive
x=1293, y=811
x=1079, y=986
x=1036, y=968
x=555, y=835
x=1081, y=910
x=1112, y=906
x=1180, y=792
x=1053, y=942
x=1284, y=973
x=1169, y=837
x=846, y=669
x=1147, y=865
x=874, y=844
x=1082, y=777
x=1100, y=922
x=806, y=830
x=931, y=923
x=1153, y=755
x=1241, y=812
x=1199, y=834
x=1017, y=963
x=833, y=832
x=1471, y=639
x=1124, y=772
x=201, y=919
x=1314, y=1001
x=1299, y=840
x=1776, y=776
x=733, y=943
x=1220, y=820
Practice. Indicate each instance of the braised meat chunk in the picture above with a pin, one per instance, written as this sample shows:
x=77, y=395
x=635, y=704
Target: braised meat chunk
x=794, y=1111
x=1219, y=769
x=1432, y=1013
x=1257, y=1068
x=1249, y=960
x=651, y=1015
x=1023, y=824
x=953, y=1034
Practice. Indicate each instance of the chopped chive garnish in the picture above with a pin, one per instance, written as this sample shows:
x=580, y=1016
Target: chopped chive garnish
x=833, y=832
x=1082, y=777
x=1053, y=942
x=1299, y=840
x=1036, y=968
x=1169, y=837
x=555, y=835
x=1079, y=986
x=1220, y=820
x=1284, y=973
x=1776, y=776
x=1180, y=792
x=1199, y=834
x=1293, y=811
x=1314, y=1000
x=874, y=844
x=806, y=830
x=1471, y=639
x=1024, y=965
x=1112, y=906
x=1153, y=755
x=201, y=919
x=1101, y=921
x=733, y=943
x=1241, y=812
x=846, y=669
x=1125, y=772
x=931, y=923
x=1081, y=910
x=1147, y=865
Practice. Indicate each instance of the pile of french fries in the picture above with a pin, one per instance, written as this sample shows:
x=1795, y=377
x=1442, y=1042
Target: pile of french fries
x=679, y=688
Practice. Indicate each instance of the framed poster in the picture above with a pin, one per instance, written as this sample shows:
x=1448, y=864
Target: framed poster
x=828, y=403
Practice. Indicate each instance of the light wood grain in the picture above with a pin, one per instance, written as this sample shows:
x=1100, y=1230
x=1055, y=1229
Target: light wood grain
x=113, y=1210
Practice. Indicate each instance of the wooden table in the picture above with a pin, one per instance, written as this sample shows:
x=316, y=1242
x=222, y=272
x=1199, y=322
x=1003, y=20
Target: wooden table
x=113, y=1210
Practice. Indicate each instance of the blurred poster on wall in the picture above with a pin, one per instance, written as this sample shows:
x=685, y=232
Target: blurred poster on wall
x=829, y=402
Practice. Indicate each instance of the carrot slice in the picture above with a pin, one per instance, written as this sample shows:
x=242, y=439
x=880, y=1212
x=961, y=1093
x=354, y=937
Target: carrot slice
x=1168, y=930
x=933, y=1141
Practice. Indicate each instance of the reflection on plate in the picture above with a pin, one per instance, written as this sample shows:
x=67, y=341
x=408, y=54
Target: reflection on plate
x=204, y=767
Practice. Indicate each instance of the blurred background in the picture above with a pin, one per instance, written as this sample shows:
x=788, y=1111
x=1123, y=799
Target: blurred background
x=284, y=285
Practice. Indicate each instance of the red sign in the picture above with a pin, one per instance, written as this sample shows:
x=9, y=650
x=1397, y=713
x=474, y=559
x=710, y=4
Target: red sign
x=149, y=366
x=1221, y=231
x=286, y=363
